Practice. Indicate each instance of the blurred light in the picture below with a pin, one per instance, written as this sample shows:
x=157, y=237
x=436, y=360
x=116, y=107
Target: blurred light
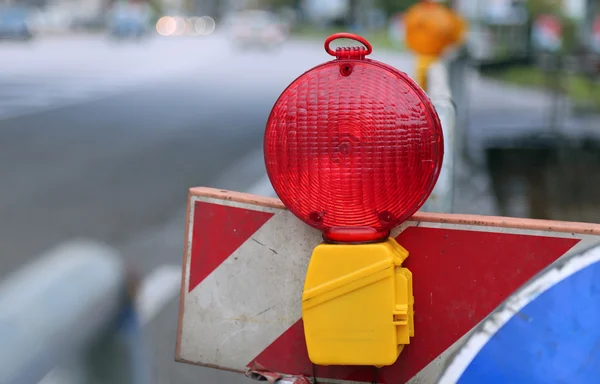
x=179, y=26
x=191, y=26
x=274, y=34
x=209, y=25
x=200, y=26
x=166, y=26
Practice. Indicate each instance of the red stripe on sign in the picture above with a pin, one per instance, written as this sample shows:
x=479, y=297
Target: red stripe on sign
x=288, y=351
x=459, y=278
x=218, y=231
x=288, y=354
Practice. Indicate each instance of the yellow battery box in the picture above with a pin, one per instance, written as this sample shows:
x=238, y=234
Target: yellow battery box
x=357, y=305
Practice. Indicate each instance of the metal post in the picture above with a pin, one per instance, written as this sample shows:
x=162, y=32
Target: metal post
x=458, y=67
x=55, y=309
x=442, y=197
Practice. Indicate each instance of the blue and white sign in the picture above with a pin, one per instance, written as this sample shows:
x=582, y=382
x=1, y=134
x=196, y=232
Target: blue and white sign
x=547, y=332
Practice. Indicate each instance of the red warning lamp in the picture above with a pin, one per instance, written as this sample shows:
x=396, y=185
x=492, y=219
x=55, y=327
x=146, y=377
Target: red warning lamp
x=353, y=147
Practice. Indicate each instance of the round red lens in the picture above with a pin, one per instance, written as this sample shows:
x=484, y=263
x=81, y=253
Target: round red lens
x=353, y=147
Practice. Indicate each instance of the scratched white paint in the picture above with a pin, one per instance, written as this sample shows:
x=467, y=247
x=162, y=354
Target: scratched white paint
x=251, y=298
x=190, y=229
x=255, y=295
x=513, y=305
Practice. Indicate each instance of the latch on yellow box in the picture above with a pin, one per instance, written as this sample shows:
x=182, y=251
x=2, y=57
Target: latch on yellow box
x=357, y=304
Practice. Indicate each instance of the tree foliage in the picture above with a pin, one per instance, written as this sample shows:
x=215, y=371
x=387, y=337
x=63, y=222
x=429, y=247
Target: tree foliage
x=388, y=6
x=538, y=7
x=393, y=6
x=278, y=4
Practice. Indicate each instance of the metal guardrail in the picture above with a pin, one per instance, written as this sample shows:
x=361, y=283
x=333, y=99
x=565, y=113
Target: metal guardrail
x=440, y=93
x=70, y=306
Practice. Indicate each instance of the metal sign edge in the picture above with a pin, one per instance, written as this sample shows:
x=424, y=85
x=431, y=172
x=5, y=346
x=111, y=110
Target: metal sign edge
x=428, y=217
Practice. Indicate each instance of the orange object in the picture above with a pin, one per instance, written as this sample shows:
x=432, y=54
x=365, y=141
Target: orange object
x=460, y=28
x=432, y=27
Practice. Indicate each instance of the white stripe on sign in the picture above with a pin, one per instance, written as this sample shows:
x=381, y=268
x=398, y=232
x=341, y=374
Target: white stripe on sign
x=237, y=311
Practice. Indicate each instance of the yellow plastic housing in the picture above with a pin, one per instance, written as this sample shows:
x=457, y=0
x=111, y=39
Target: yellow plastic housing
x=423, y=64
x=357, y=304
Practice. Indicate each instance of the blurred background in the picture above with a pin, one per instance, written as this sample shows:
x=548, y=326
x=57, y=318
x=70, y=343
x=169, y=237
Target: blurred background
x=110, y=110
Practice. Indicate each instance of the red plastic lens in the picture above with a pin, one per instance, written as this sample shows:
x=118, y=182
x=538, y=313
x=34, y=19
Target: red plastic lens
x=353, y=148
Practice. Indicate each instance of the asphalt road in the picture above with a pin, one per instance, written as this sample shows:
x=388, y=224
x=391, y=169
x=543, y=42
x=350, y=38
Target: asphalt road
x=102, y=140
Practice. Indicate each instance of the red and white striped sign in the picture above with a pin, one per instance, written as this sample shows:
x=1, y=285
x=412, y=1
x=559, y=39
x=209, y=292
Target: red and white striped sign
x=596, y=34
x=245, y=261
x=547, y=32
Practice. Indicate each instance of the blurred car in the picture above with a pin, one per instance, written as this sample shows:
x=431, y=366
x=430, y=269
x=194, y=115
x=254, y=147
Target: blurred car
x=14, y=23
x=129, y=21
x=258, y=29
x=52, y=19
